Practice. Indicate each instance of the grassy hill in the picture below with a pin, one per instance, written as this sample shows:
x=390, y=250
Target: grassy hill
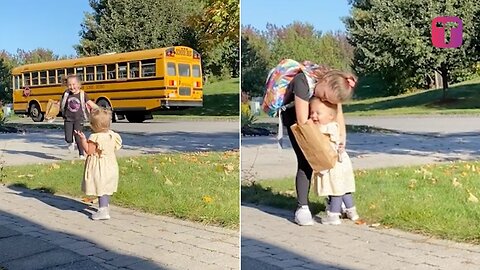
x=462, y=98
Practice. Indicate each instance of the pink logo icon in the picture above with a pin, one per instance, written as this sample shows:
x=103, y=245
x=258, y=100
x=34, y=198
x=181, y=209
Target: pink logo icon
x=440, y=26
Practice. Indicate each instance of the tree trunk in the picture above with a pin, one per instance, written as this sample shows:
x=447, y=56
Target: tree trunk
x=444, y=73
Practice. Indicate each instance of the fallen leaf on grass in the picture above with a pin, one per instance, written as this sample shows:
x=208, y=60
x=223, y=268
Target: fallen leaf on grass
x=207, y=199
x=55, y=166
x=455, y=182
x=412, y=184
x=155, y=170
x=375, y=225
x=30, y=175
x=21, y=176
x=168, y=182
x=471, y=197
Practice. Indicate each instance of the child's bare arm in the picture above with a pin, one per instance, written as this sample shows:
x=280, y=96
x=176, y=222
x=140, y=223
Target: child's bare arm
x=88, y=146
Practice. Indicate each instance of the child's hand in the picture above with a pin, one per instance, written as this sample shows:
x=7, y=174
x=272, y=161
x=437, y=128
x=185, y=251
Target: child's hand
x=80, y=134
x=341, y=148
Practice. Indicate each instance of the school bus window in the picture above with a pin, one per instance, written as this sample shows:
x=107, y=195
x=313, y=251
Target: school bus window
x=60, y=75
x=70, y=71
x=34, y=78
x=196, y=71
x=17, y=82
x=90, y=74
x=100, y=73
x=26, y=79
x=171, y=70
x=134, y=72
x=51, y=77
x=43, y=77
x=148, y=68
x=184, y=70
x=111, y=72
x=122, y=70
x=80, y=73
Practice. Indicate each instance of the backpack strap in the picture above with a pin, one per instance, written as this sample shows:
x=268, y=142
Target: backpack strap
x=82, y=104
x=64, y=102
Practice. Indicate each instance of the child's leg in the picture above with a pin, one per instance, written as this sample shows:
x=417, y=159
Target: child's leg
x=335, y=204
x=351, y=210
x=68, y=127
x=348, y=200
x=78, y=125
x=103, y=200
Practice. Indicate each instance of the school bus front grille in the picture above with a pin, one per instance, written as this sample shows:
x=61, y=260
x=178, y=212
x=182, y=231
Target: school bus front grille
x=184, y=91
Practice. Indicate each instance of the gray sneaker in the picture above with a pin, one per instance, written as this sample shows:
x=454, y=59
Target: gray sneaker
x=303, y=216
x=101, y=214
x=332, y=219
x=352, y=213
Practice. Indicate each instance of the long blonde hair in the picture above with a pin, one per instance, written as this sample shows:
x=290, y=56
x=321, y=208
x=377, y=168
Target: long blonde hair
x=340, y=82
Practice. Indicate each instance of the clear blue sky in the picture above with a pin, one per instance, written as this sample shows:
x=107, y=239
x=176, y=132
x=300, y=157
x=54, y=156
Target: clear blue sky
x=50, y=24
x=324, y=15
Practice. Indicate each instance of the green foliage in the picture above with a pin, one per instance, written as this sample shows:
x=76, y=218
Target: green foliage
x=392, y=40
x=5, y=82
x=123, y=25
x=262, y=51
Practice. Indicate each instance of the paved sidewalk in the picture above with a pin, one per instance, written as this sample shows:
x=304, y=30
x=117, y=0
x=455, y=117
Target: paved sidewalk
x=271, y=240
x=42, y=231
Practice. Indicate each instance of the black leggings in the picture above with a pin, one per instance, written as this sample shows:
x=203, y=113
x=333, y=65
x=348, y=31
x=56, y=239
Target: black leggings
x=69, y=128
x=304, y=171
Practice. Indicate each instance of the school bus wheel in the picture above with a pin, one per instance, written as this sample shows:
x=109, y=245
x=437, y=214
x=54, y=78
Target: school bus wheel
x=135, y=117
x=35, y=112
x=102, y=102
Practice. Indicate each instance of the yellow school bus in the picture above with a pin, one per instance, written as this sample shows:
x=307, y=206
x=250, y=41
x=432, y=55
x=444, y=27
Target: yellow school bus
x=133, y=84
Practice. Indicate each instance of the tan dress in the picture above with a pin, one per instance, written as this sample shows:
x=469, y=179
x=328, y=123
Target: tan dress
x=101, y=169
x=340, y=179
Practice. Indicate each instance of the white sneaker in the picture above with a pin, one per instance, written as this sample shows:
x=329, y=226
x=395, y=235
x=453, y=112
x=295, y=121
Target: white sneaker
x=101, y=214
x=71, y=147
x=332, y=219
x=82, y=157
x=352, y=213
x=303, y=216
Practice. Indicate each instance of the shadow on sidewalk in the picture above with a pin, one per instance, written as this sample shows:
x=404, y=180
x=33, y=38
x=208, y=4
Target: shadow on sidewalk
x=31, y=153
x=275, y=258
x=257, y=196
x=46, y=196
x=25, y=244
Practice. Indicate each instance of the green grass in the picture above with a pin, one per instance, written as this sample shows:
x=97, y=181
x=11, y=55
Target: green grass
x=219, y=99
x=421, y=199
x=201, y=187
x=462, y=98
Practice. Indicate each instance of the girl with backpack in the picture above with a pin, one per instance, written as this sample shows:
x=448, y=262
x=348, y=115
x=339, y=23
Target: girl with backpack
x=330, y=85
x=75, y=106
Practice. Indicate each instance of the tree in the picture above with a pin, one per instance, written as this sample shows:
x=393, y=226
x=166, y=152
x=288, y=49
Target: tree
x=124, y=25
x=392, y=39
x=5, y=82
x=215, y=31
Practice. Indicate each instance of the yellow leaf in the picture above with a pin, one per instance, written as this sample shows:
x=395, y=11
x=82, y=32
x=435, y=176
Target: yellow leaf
x=55, y=166
x=464, y=174
x=207, y=199
x=372, y=206
x=471, y=197
x=455, y=182
x=474, y=169
x=375, y=225
x=21, y=176
x=72, y=162
x=30, y=175
x=155, y=170
x=168, y=182
x=412, y=184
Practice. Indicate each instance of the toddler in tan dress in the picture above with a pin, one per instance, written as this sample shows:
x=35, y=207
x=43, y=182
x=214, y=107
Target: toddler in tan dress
x=337, y=183
x=101, y=168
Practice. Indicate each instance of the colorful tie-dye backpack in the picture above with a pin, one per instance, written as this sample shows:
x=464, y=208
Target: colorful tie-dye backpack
x=276, y=87
x=277, y=83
